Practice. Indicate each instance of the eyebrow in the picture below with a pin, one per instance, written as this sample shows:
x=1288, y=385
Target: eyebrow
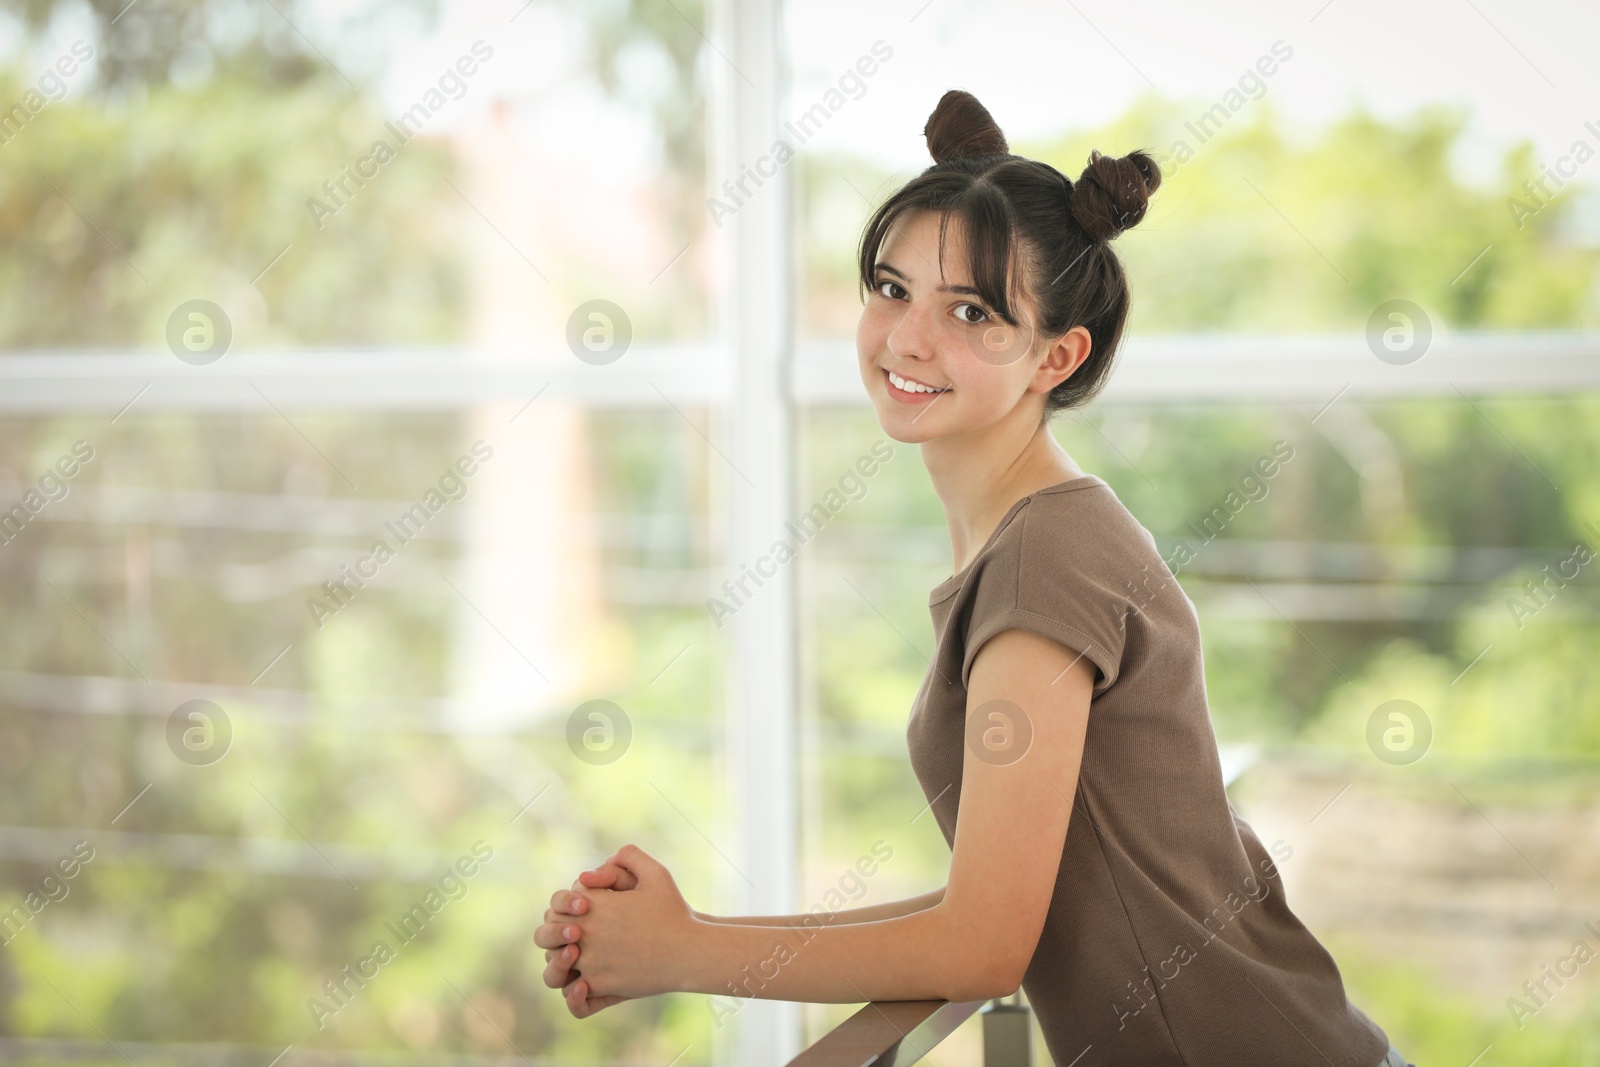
x=965, y=290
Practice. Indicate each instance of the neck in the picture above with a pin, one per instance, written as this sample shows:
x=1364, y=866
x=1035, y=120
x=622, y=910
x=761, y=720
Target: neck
x=980, y=476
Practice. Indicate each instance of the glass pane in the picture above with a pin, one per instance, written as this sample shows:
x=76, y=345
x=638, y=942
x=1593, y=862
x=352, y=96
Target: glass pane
x=291, y=676
x=260, y=713
x=378, y=176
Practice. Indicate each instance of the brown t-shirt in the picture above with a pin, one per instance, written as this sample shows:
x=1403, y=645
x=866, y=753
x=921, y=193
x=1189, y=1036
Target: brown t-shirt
x=1168, y=939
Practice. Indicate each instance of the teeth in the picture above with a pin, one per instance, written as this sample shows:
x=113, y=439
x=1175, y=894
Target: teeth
x=912, y=387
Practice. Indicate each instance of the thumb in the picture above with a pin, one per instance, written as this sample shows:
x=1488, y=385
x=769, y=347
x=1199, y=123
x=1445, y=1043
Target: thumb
x=606, y=876
x=636, y=861
x=609, y=876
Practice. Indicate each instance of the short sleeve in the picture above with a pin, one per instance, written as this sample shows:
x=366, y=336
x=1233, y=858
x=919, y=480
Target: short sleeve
x=1052, y=575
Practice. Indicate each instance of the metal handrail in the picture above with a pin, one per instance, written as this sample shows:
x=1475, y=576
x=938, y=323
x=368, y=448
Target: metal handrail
x=895, y=1033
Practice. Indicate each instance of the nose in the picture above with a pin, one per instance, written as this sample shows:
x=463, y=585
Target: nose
x=911, y=337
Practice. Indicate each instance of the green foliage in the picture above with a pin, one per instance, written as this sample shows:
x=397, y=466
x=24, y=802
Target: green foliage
x=135, y=217
x=1430, y=1021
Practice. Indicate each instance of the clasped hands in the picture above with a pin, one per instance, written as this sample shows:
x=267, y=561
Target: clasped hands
x=630, y=925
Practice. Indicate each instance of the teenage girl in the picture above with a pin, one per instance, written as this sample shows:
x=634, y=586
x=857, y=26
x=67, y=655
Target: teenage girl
x=1061, y=733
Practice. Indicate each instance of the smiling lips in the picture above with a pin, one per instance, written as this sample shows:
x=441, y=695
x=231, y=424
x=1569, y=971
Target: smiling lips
x=915, y=395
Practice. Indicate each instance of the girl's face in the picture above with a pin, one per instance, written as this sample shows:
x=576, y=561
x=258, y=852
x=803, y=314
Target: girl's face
x=936, y=330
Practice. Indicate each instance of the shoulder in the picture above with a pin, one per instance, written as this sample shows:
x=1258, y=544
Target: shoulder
x=1080, y=529
x=1067, y=566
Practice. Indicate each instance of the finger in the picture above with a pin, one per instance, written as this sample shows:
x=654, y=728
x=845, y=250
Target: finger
x=609, y=875
x=601, y=877
x=556, y=974
x=558, y=969
x=576, y=993
x=595, y=1004
x=569, y=901
x=605, y=876
x=555, y=935
x=635, y=860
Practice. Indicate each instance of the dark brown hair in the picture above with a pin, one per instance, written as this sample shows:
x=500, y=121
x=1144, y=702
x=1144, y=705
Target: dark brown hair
x=1028, y=225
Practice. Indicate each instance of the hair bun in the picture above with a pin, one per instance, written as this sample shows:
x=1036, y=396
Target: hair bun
x=1113, y=193
x=960, y=127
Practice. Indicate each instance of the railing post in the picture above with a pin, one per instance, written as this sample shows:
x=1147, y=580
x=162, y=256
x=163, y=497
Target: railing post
x=1007, y=1034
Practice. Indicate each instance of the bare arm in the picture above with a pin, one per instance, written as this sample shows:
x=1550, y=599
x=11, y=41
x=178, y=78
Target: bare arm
x=1004, y=861
x=976, y=943
x=892, y=909
x=561, y=965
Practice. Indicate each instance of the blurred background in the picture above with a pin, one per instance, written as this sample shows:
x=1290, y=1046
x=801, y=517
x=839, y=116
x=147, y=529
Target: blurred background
x=282, y=282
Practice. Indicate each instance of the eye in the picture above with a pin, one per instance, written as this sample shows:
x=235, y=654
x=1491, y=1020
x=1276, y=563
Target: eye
x=880, y=286
x=962, y=315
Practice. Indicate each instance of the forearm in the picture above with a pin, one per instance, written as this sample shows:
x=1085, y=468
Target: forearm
x=917, y=956
x=892, y=909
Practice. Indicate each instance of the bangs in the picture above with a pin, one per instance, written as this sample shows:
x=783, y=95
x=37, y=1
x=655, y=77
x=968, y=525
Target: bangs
x=980, y=212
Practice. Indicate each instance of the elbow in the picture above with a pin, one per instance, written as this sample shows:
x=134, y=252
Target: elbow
x=988, y=973
x=1001, y=980
x=1009, y=981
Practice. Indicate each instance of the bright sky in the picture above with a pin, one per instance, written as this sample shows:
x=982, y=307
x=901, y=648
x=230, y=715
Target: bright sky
x=1041, y=66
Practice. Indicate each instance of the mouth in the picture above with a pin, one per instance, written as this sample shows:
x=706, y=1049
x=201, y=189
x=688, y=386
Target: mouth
x=907, y=396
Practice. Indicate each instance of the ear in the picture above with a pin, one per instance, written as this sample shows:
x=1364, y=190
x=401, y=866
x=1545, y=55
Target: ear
x=1063, y=358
